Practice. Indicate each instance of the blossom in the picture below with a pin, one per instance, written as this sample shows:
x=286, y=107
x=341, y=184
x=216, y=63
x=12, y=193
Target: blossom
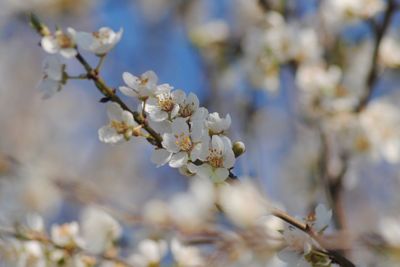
x=380, y=122
x=235, y=199
x=216, y=124
x=66, y=235
x=189, y=106
x=53, y=78
x=99, y=230
x=182, y=145
x=100, y=42
x=30, y=253
x=300, y=245
x=60, y=42
x=164, y=104
x=141, y=87
x=149, y=253
x=122, y=125
x=355, y=8
x=186, y=256
x=219, y=159
x=389, y=54
x=190, y=210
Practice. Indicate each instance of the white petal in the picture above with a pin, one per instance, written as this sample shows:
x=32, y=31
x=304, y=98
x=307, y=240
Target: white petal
x=217, y=143
x=128, y=91
x=164, y=88
x=114, y=111
x=178, y=160
x=50, y=45
x=220, y=175
x=289, y=256
x=160, y=157
x=229, y=158
x=53, y=68
x=193, y=99
x=127, y=117
x=68, y=52
x=159, y=115
x=107, y=134
x=178, y=96
x=151, y=77
x=179, y=125
x=175, y=111
x=130, y=80
x=48, y=88
x=199, y=151
x=169, y=143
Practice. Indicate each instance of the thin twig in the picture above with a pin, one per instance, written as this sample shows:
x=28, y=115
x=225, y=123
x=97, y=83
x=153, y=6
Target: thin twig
x=379, y=31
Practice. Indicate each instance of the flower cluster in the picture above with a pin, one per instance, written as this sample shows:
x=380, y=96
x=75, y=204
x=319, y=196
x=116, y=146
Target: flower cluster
x=67, y=44
x=193, y=139
x=74, y=244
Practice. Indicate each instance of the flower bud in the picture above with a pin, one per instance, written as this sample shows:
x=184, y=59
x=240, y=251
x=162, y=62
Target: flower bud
x=238, y=148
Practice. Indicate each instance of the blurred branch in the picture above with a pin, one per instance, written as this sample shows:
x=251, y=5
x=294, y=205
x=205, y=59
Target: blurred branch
x=379, y=32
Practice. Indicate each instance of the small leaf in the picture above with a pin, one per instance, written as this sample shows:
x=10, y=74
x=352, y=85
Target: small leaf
x=105, y=99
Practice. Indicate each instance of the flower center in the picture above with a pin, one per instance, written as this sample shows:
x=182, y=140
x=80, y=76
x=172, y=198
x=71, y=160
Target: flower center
x=120, y=127
x=215, y=158
x=165, y=102
x=63, y=40
x=186, y=110
x=183, y=142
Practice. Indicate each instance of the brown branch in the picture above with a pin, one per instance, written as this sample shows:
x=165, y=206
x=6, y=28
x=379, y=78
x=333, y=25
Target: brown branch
x=108, y=92
x=379, y=31
x=333, y=254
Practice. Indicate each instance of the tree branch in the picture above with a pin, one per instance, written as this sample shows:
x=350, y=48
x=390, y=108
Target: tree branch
x=379, y=31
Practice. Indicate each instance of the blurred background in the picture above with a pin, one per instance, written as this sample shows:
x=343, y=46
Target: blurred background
x=51, y=159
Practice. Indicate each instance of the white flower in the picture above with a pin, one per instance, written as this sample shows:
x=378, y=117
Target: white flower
x=165, y=103
x=182, y=145
x=122, y=125
x=389, y=51
x=189, y=105
x=390, y=230
x=220, y=158
x=66, y=235
x=235, y=200
x=99, y=230
x=216, y=124
x=53, y=77
x=191, y=209
x=150, y=253
x=381, y=123
x=355, y=8
x=30, y=254
x=60, y=42
x=299, y=244
x=186, y=256
x=100, y=42
x=141, y=87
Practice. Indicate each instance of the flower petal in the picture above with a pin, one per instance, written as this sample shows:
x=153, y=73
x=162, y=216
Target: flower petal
x=178, y=160
x=160, y=157
x=107, y=134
